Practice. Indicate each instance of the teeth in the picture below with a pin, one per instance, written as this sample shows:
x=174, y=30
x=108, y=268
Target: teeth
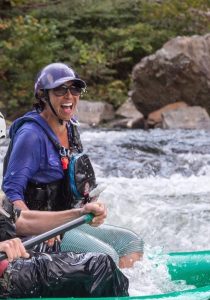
x=70, y=105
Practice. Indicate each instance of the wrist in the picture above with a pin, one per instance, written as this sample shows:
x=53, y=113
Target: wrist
x=81, y=211
x=77, y=212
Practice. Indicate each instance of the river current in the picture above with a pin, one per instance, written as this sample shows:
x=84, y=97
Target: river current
x=158, y=185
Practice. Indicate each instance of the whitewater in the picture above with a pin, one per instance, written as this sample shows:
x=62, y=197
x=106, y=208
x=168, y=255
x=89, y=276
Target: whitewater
x=158, y=185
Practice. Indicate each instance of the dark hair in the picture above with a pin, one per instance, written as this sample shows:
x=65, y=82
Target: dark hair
x=39, y=106
x=40, y=103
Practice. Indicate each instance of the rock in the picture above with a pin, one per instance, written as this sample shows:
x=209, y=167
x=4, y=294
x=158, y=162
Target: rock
x=180, y=70
x=129, y=116
x=155, y=118
x=127, y=123
x=129, y=110
x=93, y=113
x=186, y=118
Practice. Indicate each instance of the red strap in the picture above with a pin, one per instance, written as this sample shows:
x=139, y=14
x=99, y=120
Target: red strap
x=3, y=266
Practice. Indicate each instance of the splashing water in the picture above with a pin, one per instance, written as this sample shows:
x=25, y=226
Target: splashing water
x=150, y=276
x=158, y=186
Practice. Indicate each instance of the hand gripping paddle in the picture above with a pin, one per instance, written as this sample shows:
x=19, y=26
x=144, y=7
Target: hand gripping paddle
x=53, y=232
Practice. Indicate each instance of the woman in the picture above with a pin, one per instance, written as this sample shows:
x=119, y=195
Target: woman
x=35, y=166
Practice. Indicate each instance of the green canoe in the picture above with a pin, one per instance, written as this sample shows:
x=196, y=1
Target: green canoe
x=192, y=267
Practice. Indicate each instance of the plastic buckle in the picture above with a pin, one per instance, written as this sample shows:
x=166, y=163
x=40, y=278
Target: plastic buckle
x=64, y=152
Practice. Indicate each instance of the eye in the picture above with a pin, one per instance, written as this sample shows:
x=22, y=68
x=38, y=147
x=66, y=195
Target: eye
x=64, y=88
x=60, y=90
x=76, y=89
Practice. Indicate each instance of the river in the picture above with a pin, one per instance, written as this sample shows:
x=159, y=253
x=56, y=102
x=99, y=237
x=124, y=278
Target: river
x=157, y=184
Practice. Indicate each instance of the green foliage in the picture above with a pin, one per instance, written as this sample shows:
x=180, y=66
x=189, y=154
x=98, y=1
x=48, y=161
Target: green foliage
x=101, y=39
x=180, y=17
x=25, y=46
x=114, y=92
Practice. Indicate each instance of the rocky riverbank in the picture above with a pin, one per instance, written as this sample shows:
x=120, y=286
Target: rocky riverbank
x=171, y=116
x=170, y=89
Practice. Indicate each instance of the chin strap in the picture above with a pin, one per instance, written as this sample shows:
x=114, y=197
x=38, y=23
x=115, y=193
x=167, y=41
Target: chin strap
x=47, y=99
x=52, y=108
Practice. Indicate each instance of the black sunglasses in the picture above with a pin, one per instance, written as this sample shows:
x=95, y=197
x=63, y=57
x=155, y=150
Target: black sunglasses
x=62, y=90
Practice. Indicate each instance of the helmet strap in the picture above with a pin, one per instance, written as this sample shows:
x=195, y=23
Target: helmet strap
x=47, y=98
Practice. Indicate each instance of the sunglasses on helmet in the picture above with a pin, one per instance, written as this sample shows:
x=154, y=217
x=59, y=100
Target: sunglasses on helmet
x=63, y=89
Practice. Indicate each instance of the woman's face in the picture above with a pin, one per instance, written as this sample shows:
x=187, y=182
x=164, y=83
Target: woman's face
x=64, y=99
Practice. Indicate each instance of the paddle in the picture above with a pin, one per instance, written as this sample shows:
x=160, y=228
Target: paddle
x=53, y=232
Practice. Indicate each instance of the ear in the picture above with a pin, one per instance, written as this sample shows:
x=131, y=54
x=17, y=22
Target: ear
x=40, y=94
x=43, y=95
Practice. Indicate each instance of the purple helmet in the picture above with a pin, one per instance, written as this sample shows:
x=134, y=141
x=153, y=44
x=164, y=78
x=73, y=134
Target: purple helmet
x=54, y=75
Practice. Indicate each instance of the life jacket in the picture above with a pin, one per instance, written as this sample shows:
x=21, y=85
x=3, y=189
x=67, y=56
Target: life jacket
x=8, y=216
x=50, y=196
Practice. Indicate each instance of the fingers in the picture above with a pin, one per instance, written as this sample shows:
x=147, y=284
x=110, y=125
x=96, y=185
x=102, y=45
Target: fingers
x=51, y=241
x=14, y=249
x=99, y=210
x=21, y=251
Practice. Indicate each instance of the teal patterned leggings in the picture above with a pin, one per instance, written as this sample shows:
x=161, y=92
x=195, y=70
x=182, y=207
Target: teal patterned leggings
x=112, y=240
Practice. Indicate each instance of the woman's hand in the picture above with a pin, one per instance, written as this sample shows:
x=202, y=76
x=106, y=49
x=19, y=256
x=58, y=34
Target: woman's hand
x=14, y=249
x=98, y=209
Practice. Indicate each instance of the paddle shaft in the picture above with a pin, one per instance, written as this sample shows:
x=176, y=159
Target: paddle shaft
x=53, y=232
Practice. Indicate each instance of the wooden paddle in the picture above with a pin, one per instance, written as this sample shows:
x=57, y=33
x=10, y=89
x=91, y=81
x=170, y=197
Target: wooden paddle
x=53, y=232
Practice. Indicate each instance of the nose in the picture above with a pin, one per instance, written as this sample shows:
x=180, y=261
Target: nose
x=68, y=93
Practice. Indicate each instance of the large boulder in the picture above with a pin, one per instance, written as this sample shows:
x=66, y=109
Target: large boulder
x=180, y=70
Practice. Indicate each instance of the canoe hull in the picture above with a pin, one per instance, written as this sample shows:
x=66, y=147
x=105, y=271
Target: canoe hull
x=194, y=294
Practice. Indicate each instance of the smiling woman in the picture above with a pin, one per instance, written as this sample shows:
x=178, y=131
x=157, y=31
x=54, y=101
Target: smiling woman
x=60, y=87
x=40, y=177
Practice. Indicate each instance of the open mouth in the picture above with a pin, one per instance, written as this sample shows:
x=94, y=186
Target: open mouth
x=67, y=107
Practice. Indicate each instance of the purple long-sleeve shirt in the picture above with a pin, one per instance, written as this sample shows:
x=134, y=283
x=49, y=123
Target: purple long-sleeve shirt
x=33, y=157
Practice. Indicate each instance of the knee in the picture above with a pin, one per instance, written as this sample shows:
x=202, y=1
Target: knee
x=134, y=245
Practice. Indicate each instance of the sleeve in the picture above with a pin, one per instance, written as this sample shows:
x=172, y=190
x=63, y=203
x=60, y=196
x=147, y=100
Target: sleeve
x=23, y=163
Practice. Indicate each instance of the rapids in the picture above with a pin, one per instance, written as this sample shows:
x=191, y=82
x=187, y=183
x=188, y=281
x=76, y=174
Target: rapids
x=157, y=185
